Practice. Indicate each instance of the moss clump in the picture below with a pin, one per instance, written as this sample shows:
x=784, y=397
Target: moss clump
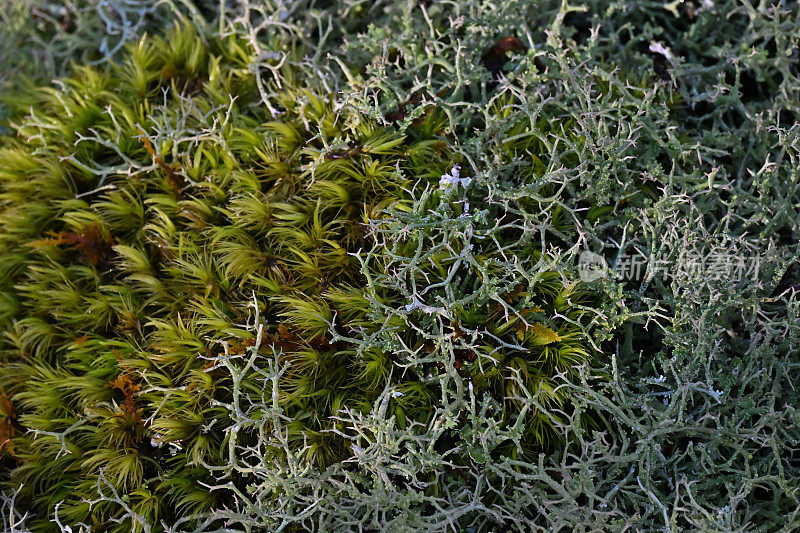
x=144, y=207
x=151, y=210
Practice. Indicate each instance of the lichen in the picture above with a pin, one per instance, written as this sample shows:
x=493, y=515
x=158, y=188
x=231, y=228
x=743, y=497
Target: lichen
x=660, y=141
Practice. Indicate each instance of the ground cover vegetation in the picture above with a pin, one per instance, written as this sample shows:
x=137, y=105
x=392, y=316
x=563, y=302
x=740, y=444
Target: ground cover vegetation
x=316, y=265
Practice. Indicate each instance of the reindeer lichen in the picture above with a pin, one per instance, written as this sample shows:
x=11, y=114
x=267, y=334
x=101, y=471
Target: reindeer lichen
x=219, y=272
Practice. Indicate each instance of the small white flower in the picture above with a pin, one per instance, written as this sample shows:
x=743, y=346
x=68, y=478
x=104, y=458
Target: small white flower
x=396, y=394
x=453, y=178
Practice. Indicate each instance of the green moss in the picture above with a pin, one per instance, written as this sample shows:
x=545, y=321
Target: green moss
x=143, y=208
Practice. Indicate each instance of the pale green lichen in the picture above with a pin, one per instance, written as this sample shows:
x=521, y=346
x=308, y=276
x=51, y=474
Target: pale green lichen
x=625, y=127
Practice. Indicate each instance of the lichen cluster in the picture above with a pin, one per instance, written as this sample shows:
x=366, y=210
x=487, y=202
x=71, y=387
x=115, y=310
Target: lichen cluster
x=315, y=265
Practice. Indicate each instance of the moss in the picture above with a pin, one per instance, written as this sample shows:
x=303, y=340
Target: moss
x=142, y=209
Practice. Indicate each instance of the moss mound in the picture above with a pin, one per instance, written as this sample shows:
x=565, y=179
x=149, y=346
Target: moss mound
x=163, y=235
